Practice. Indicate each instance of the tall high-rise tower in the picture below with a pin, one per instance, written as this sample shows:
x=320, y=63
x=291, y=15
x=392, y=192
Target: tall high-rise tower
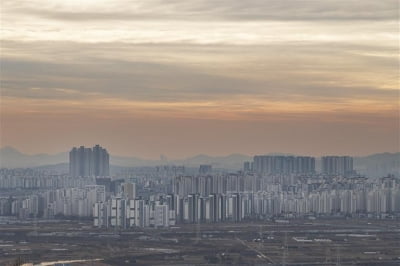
x=85, y=162
x=101, y=165
x=337, y=165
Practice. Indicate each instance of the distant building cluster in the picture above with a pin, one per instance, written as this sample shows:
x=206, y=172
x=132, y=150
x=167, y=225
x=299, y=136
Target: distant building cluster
x=31, y=180
x=271, y=164
x=123, y=212
x=85, y=162
x=122, y=207
x=69, y=202
x=218, y=184
x=337, y=165
x=284, y=164
x=162, y=196
x=355, y=197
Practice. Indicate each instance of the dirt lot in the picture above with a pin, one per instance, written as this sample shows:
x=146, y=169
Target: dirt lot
x=299, y=242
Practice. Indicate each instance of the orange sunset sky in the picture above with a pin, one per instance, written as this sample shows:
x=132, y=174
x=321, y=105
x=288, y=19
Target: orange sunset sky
x=180, y=78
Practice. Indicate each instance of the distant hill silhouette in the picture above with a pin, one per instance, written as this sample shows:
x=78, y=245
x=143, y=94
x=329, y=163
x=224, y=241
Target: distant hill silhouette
x=375, y=165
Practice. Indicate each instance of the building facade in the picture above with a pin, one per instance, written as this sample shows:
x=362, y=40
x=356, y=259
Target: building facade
x=337, y=165
x=264, y=164
x=85, y=162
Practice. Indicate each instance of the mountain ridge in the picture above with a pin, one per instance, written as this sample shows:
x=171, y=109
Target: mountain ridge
x=373, y=164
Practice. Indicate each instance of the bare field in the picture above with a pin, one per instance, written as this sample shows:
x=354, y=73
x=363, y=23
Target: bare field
x=299, y=242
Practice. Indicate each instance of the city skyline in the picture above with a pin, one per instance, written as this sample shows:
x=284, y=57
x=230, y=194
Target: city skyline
x=165, y=157
x=150, y=77
x=200, y=132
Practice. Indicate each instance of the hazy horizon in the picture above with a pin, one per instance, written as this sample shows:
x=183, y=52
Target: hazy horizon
x=181, y=96
x=145, y=78
x=166, y=157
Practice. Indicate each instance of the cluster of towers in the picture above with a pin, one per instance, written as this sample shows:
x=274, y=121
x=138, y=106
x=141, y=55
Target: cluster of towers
x=284, y=164
x=337, y=165
x=270, y=165
x=86, y=162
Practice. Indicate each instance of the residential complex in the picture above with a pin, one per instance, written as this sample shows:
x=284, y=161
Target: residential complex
x=84, y=162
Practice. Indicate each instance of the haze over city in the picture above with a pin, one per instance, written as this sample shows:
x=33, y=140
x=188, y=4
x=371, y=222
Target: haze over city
x=199, y=132
x=152, y=77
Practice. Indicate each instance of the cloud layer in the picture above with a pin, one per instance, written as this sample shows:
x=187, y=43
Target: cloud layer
x=294, y=65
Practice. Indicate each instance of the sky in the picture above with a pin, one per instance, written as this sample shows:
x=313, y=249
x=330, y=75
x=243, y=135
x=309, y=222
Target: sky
x=180, y=78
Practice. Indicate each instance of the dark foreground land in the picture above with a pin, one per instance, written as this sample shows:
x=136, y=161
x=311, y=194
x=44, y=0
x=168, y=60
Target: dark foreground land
x=299, y=242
